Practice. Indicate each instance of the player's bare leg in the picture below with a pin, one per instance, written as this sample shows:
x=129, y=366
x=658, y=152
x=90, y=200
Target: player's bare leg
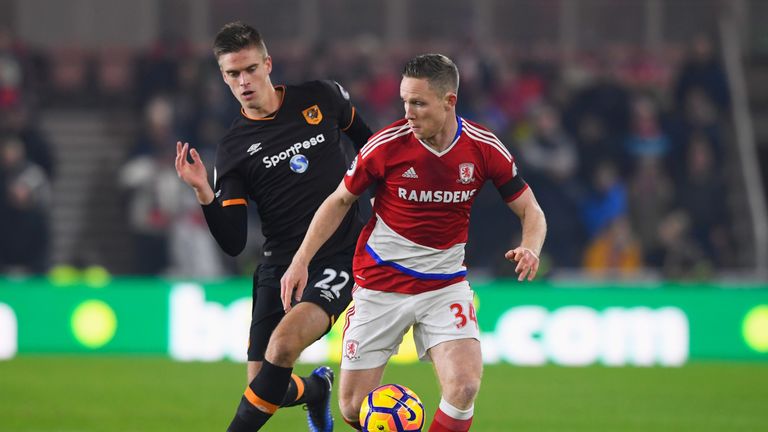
x=274, y=385
x=253, y=369
x=298, y=329
x=459, y=368
x=354, y=386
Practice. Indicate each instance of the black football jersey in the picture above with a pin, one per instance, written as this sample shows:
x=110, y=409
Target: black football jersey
x=288, y=164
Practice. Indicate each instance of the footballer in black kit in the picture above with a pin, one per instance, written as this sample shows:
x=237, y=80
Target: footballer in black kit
x=284, y=154
x=287, y=163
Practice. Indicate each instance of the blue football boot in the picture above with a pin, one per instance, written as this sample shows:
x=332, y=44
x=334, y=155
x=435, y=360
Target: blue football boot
x=319, y=413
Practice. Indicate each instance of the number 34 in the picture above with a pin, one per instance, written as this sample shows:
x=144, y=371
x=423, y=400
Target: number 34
x=458, y=311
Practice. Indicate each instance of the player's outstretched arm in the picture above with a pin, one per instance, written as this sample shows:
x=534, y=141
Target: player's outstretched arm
x=323, y=225
x=534, y=230
x=194, y=174
x=229, y=226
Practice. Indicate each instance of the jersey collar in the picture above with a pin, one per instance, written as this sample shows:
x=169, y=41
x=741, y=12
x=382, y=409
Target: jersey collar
x=274, y=114
x=455, y=140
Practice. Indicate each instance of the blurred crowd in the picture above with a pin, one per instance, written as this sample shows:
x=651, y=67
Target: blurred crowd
x=624, y=148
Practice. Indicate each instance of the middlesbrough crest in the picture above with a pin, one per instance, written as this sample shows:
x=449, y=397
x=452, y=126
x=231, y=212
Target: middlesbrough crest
x=466, y=173
x=350, y=349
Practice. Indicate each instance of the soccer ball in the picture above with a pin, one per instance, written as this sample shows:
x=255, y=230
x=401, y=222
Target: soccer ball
x=392, y=408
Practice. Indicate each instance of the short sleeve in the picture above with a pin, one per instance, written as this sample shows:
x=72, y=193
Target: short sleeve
x=502, y=170
x=342, y=103
x=361, y=174
x=512, y=188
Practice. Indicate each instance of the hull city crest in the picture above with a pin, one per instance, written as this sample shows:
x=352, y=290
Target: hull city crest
x=313, y=115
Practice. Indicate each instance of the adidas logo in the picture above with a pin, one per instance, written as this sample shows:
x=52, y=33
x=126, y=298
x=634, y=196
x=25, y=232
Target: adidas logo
x=254, y=148
x=410, y=173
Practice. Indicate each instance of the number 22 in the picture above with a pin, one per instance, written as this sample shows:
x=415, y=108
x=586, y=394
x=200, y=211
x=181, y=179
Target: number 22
x=335, y=288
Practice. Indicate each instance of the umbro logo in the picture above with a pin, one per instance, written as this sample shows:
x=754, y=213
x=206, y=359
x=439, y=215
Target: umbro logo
x=410, y=173
x=254, y=148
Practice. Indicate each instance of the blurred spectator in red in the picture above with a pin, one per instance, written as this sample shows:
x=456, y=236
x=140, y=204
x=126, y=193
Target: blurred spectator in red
x=517, y=90
x=15, y=97
x=25, y=197
x=383, y=91
x=11, y=73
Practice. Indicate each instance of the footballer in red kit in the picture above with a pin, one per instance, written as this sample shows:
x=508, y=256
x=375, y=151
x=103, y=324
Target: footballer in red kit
x=409, y=260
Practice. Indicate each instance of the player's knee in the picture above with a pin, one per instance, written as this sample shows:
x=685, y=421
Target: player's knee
x=462, y=393
x=284, y=349
x=349, y=406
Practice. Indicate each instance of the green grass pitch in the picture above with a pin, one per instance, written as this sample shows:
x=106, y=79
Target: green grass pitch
x=136, y=394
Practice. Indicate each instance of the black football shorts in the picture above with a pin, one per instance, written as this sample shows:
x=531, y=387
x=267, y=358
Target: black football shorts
x=329, y=286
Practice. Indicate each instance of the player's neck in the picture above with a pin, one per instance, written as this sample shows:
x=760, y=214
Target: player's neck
x=271, y=103
x=445, y=137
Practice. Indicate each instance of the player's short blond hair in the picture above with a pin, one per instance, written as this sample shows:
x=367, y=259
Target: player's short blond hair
x=440, y=71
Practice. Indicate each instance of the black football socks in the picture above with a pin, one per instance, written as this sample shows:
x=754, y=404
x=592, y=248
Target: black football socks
x=262, y=398
x=303, y=390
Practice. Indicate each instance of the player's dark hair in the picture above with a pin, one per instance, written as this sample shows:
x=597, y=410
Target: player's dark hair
x=440, y=71
x=236, y=36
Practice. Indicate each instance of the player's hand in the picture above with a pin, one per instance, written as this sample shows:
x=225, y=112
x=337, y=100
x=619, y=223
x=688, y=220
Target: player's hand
x=194, y=174
x=527, y=262
x=292, y=284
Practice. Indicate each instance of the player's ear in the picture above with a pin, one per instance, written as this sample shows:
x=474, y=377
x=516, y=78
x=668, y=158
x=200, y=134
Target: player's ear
x=268, y=64
x=450, y=99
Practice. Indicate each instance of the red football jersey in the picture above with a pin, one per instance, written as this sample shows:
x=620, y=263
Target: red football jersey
x=415, y=239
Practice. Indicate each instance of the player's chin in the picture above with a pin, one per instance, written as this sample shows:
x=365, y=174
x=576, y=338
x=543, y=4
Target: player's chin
x=422, y=135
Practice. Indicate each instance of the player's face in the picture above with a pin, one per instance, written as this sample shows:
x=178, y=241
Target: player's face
x=425, y=109
x=246, y=72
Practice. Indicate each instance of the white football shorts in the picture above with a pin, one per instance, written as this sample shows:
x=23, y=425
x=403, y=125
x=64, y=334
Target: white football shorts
x=378, y=320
